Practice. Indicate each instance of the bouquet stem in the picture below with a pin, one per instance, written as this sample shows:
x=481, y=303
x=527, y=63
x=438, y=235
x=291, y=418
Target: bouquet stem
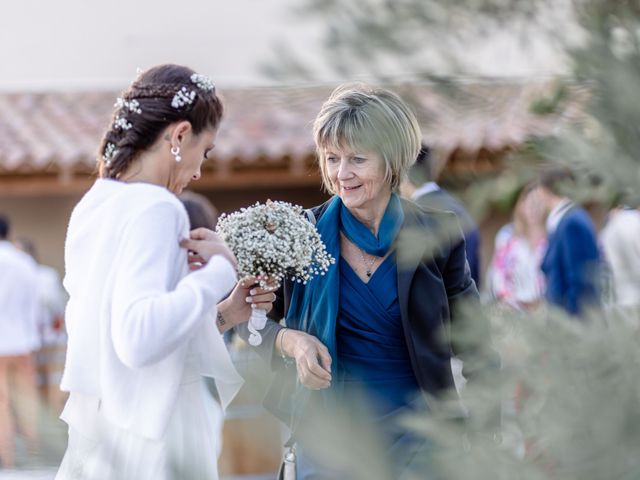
x=257, y=322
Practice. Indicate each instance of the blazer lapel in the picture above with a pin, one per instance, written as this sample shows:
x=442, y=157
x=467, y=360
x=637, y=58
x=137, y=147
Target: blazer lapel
x=412, y=245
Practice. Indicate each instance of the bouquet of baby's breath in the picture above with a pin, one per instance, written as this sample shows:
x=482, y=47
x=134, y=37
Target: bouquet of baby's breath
x=276, y=241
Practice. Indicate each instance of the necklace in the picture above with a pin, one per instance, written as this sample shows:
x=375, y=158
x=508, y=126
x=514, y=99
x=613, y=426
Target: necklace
x=364, y=260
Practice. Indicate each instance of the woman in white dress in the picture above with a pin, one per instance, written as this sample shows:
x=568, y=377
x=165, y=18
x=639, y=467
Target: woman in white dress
x=143, y=329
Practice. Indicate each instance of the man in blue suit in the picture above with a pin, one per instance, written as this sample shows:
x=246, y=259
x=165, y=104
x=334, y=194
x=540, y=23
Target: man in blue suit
x=422, y=189
x=572, y=262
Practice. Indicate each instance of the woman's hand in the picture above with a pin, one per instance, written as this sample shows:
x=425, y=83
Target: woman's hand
x=204, y=244
x=246, y=296
x=312, y=357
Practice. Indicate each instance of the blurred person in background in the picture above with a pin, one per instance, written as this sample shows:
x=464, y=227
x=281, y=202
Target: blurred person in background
x=421, y=187
x=202, y=213
x=514, y=275
x=144, y=329
x=19, y=340
x=621, y=242
x=370, y=330
x=571, y=264
x=515, y=279
x=53, y=299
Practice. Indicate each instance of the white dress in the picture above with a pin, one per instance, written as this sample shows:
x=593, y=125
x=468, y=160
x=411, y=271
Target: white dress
x=188, y=449
x=142, y=334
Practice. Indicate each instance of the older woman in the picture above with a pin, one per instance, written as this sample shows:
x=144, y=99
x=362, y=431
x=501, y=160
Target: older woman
x=143, y=329
x=372, y=327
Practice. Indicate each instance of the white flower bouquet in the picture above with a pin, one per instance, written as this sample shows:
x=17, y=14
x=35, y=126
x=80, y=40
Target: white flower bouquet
x=273, y=241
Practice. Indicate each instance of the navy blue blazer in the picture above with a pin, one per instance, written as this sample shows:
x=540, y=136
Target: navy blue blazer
x=572, y=263
x=433, y=282
x=442, y=200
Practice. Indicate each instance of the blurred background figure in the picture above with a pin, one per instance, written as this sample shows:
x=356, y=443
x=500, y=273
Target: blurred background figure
x=621, y=242
x=514, y=275
x=422, y=188
x=572, y=261
x=53, y=335
x=515, y=279
x=19, y=339
x=201, y=212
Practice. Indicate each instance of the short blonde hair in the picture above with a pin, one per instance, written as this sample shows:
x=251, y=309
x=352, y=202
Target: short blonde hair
x=365, y=118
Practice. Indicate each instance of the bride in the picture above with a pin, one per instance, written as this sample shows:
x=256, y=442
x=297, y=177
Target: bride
x=142, y=329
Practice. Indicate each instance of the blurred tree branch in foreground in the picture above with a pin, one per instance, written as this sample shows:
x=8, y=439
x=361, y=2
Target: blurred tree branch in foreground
x=570, y=391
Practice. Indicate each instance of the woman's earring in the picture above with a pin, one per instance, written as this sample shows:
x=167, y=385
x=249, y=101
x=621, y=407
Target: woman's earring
x=175, y=151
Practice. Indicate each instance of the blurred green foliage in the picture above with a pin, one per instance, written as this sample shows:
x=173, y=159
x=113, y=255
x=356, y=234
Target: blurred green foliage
x=570, y=391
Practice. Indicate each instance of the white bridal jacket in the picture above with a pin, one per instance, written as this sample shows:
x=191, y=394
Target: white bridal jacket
x=135, y=310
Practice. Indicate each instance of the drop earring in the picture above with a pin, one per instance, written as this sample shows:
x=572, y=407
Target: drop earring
x=175, y=151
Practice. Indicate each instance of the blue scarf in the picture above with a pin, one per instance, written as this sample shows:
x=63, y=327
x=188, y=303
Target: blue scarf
x=314, y=307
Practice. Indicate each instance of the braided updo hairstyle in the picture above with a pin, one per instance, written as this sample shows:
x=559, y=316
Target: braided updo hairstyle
x=148, y=106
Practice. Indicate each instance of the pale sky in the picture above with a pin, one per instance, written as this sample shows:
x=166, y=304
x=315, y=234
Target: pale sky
x=71, y=44
x=89, y=43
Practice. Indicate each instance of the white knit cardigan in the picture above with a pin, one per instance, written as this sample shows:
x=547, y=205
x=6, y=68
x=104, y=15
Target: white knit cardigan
x=135, y=309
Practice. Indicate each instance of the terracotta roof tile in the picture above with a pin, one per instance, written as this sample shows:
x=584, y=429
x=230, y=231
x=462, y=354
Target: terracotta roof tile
x=62, y=130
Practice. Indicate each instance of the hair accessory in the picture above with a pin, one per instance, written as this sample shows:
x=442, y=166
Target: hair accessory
x=203, y=82
x=122, y=124
x=109, y=152
x=183, y=97
x=175, y=151
x=132, y=105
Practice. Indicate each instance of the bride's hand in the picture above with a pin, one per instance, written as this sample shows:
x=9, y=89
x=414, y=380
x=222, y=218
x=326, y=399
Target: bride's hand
x=246, y=296
x=203, y=245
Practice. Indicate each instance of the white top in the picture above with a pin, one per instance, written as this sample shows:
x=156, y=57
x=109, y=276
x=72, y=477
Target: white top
x=556, y=215
x=53, y=300
x=19, y=307
x=425, y=188
x=134, y=308
x=621, y=242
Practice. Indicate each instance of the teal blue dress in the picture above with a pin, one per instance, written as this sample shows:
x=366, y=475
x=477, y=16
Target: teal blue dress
x=373, y=359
